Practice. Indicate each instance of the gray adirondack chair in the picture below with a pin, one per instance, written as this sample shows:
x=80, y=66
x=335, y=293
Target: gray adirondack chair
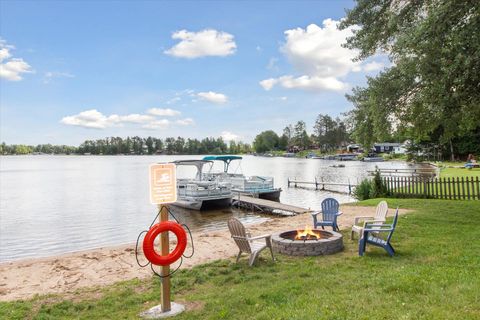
x=329, y=213
x=371, y=235
x=380, y=216
x=248, y=244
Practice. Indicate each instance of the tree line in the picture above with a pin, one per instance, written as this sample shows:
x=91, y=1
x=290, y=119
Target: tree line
x=135, y=146
x=328, y=134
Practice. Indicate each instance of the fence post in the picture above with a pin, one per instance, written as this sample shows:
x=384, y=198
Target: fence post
x=454, y=189
x=468, y=188
x=441, y=191
x=424, y=188
x=449, y=189
x=478, y=188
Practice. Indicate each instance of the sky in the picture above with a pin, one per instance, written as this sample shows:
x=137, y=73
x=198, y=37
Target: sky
x=72, y=71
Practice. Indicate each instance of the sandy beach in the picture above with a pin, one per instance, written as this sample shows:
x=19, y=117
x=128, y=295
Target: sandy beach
x=66, y=273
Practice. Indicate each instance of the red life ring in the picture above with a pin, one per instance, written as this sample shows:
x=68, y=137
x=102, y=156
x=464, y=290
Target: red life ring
x=148, y=246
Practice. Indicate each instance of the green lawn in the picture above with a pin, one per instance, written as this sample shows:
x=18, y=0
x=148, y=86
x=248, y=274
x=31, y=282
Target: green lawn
x=459, y=172
x=435, y=275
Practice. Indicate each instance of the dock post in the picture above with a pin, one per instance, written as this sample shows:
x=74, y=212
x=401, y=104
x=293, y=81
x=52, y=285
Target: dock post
x=295, y=182
x=316, y=184
x=349, y=187
x=323, y=185
x=288, y=182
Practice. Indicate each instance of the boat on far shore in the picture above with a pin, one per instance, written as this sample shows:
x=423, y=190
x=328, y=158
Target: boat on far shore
x=372, y=157
x=198, y=193
x=256, y=186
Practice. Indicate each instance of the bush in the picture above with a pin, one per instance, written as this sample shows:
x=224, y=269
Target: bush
x=363, y=190
x=379, y=189
x=368, y=189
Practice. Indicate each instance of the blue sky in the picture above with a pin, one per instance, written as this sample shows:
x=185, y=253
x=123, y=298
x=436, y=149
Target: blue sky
x=72, y=71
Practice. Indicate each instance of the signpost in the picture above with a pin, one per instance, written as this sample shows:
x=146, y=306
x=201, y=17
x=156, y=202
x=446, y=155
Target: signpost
x=163, y=190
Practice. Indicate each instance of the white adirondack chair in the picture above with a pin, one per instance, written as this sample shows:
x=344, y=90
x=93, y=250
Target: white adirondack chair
x=248, y=244
x=380, y=216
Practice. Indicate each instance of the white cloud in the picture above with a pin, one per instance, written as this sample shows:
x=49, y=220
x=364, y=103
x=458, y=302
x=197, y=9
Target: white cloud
x=284, y=98
x=4, y=53
x=88, y=119
x=163, y=112
x=306, y=83
x=373, y=66
x=131, y=118
x=316, y=53
x=208, y=42
x=229, y=136
x=95, y=119
x=157, y=124
x=213, y=97
x=268, y=84
x=13, y=68
x=185, y=122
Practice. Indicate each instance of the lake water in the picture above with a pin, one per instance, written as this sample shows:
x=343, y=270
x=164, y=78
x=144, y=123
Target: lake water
x=57, y=204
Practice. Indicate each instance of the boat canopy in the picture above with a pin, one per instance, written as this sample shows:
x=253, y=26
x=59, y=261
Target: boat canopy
x=197, y=163
x=225, y=159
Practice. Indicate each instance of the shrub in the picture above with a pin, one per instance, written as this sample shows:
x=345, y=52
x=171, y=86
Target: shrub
x=363, y=190
x=378, y=188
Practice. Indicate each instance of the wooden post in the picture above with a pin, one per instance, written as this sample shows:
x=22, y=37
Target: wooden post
x=468, y=188
x=164, y=246
x=449, y=189
x=478, y=188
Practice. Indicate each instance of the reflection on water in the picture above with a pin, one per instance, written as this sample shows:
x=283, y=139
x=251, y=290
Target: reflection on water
x=58, y=204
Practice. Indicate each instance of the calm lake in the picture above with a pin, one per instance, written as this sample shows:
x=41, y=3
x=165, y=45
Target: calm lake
x=58, y=204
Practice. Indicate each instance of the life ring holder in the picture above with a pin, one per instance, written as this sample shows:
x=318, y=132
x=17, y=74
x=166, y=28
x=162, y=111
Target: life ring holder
x=153, y=232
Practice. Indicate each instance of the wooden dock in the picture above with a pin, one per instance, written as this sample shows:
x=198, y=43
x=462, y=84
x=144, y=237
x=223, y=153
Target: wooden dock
x=321, y=184
x=269, y=206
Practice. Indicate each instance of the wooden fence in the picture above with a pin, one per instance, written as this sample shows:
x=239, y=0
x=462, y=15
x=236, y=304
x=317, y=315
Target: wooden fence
x=467, y=188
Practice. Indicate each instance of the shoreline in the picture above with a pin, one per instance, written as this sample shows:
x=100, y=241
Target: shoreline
x=66, y=273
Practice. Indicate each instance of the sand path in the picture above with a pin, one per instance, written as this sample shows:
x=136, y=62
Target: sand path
x=67, y=273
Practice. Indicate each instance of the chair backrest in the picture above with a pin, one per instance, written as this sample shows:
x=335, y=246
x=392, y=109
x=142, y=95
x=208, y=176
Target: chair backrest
x=329, y=209
x=239, y=234
x=394, y=224
x=381, y=212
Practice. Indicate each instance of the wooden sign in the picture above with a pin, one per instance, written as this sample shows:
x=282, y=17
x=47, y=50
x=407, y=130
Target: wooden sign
x=163, y=183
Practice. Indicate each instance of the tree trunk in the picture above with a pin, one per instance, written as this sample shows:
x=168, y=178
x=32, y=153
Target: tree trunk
x=452, y=155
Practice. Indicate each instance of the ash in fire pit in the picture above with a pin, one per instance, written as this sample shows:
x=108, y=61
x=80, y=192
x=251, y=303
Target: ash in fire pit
x=307, y=242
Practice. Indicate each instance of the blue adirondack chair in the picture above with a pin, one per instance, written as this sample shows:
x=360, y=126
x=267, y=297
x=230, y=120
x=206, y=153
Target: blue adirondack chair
x=371, y=235
x=329, y=215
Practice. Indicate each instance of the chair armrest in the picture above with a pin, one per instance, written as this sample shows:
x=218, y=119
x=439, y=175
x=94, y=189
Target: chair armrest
x=370, y=222
x=315, y=213
x=339, y=213
x=357, y=219
x=377, y=230
x=260, y=237
x=378, y=227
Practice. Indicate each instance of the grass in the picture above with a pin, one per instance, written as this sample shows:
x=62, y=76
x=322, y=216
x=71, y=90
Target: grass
x=435, y=275
x=459, y=172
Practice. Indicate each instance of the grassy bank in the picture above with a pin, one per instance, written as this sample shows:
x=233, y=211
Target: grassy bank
x=435, y=275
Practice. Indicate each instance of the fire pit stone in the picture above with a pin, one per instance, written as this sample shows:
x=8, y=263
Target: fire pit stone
x=330, y=242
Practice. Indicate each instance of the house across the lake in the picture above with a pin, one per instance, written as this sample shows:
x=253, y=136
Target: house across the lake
x=387, y=147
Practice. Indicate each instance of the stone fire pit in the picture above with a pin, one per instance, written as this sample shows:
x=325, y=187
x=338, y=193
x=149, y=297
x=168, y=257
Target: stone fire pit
x=307, y=242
